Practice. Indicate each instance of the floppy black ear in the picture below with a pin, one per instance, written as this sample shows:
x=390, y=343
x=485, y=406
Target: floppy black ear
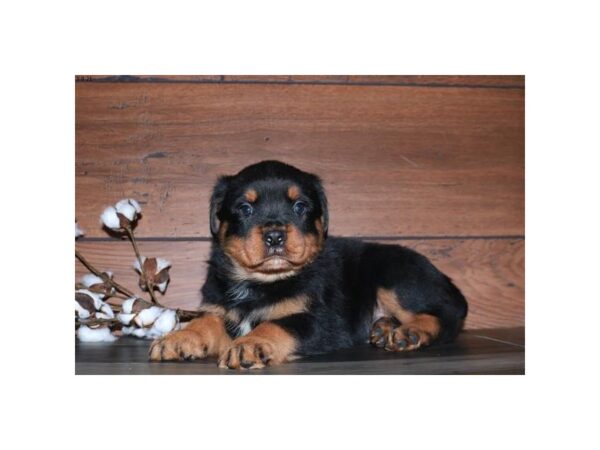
x=216, y=201
x=323, y=204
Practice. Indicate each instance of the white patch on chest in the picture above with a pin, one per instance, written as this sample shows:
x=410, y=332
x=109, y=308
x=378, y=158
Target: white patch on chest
x=245, y=327
x=238, y=292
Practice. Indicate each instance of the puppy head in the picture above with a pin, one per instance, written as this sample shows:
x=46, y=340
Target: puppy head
x=270, y=219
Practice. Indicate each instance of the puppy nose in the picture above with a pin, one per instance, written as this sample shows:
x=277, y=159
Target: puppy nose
x=274, y=238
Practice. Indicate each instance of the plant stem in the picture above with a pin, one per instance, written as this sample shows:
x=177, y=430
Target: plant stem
x=95, y=321
x=150, y=288
x=96, y=272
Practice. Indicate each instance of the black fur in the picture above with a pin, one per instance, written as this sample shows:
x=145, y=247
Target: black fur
x=341, y=282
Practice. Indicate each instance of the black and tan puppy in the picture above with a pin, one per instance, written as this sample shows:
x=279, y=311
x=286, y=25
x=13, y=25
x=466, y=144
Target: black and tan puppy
x=278, y=288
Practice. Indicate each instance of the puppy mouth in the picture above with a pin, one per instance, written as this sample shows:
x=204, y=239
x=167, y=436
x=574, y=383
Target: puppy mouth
x=274, y=264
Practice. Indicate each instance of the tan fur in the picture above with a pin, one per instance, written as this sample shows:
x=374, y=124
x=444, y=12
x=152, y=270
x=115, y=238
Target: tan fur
x=302, y=248
x=204, y=336
x=233, y=315
x=223, y=226
x=283, y=308
x=425, y=326
x=249, y=254
x=251, y=195
x=266, y=342
x=293, y=192
x=213, y=309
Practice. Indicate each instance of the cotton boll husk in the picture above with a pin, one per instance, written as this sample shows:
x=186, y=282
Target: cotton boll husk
x=90, y=279
x=95, y=296
x=102, y=334
x=162, y=287
x=124, y=318
x=166, y=322
x=110, y=219
x=82, y=313
x=148, y=316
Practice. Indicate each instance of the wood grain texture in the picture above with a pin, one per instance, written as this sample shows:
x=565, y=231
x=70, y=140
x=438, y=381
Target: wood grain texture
x=490, y=272
x=395, y=160
x=510, y=81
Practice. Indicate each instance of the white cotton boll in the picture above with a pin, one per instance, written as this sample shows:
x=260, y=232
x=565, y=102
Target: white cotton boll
x=78, y=231
x=166, y=322
x=90, y=279
x=123, y=207
x=153, y=333
x=110, y=219
x=147, y=316
x=107, y=310
x=128, y=204
x=127, y=330
x=95, y=296
x=139, y=332
x=82, y=313
x=136, y=264
x=162, y=264
x=100, y=315
x=103, y=334
x=162, y=287
x=127, y=305
x=136, y=205
x=125, y=319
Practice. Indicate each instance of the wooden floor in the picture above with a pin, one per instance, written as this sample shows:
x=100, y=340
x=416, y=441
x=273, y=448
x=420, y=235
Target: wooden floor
x=491, y=351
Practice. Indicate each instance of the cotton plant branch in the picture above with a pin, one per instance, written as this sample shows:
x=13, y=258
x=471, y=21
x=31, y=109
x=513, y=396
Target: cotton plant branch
x=95, y=317
x=146, y=279
x=118, y=287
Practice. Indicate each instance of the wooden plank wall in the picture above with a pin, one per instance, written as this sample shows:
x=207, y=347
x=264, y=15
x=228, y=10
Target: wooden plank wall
x=433, y=163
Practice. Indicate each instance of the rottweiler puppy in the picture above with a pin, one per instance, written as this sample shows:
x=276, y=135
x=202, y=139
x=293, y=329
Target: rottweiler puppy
x=279, y=288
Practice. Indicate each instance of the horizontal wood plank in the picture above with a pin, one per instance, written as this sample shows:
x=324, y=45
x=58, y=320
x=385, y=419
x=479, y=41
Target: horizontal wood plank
x=490, y=272
x=396, y=161
x=512, y=81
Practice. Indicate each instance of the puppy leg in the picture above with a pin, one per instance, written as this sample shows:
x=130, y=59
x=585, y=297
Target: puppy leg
x=204, y=336
x=400, y=329
x=267, y=344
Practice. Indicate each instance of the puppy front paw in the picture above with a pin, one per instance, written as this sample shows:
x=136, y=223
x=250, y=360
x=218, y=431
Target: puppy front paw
x=249, y=352
x=179, y=345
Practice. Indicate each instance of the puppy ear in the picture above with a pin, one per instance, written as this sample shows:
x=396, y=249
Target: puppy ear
x=323, y=204
x=216, y=201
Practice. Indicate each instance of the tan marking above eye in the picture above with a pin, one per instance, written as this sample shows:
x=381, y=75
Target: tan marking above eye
x=293, y=192
x=251, y=195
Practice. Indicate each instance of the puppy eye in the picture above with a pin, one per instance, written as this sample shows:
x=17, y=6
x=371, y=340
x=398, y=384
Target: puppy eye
x=246, y=209
x=300, y=208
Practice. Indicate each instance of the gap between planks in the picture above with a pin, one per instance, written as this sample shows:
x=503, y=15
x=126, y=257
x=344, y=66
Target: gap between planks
x=150, y=80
